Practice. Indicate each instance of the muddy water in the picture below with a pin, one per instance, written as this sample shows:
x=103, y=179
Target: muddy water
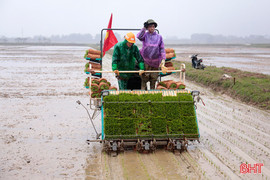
x=241, y=57
x=43, y=131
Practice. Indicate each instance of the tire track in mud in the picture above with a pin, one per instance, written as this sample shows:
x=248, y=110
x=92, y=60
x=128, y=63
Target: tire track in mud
x=127, y=165
x=204, y=165
x=191, y=169
x=237, y=135
x=234, y=130
x=155, y=170
x=164, y=159
x=159, y=165
x=246, y=144
x=92, y=170
x=112, y=166
x=218, y=164
x=243, y=118
x=237, y=148
x=133, y=167
x=219, y=154
x=233, y=157
x=235, y=121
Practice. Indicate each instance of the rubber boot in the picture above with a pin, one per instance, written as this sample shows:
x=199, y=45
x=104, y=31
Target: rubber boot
x=143, y=85
x=152, y=84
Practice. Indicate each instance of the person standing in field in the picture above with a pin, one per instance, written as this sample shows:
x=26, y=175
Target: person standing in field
x=125, y=55
x=153, y=53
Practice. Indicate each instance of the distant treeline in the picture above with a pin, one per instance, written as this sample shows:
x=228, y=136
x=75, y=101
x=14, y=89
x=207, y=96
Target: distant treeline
x=220, y=39
x=90, y=39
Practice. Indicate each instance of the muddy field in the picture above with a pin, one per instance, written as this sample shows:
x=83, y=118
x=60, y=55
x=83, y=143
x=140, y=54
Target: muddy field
x=43, y=131
x=244, y=57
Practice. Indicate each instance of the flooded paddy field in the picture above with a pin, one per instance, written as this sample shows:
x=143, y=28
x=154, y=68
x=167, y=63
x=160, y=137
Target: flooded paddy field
x=44, y=133
x=243, y=57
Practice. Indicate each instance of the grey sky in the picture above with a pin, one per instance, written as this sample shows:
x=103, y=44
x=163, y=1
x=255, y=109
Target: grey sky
x=179, y=18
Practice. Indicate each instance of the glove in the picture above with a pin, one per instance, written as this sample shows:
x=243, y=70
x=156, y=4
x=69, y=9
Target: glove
x=116, y=72
x=92, y=71
x=141, y=72
x=183, y=70
x=162, y=64
x=164, y=70
x=145, y=25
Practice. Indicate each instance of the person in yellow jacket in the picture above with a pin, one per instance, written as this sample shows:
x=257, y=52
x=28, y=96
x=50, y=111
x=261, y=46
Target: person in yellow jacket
x=124, y=58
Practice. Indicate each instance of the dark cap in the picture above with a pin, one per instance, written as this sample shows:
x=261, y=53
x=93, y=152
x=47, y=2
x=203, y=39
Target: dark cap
x=151, y=21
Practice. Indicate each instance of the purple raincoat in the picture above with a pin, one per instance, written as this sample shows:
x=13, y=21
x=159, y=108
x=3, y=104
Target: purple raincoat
x=153, y=48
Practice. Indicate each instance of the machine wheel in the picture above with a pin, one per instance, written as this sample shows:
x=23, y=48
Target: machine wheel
x=121, y=146
x=107, y=147
x=139, y=146
x=152, y=146
x=170, y=145
x=184, y=145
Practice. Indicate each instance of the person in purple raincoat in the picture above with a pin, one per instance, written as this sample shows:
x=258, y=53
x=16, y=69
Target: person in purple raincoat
x=152, y=51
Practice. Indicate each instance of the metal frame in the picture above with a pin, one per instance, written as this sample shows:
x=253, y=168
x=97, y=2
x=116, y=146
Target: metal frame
x=95, y=103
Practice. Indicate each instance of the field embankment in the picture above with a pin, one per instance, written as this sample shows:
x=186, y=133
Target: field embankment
x=251, y=88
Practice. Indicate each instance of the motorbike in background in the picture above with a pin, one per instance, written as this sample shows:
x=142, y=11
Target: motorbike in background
x=197, y=63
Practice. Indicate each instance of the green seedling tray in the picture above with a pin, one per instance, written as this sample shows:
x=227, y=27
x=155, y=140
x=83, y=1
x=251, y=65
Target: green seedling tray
x=128, y=116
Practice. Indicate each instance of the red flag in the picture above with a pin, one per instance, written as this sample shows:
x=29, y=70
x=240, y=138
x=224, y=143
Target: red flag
x=110, y=39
